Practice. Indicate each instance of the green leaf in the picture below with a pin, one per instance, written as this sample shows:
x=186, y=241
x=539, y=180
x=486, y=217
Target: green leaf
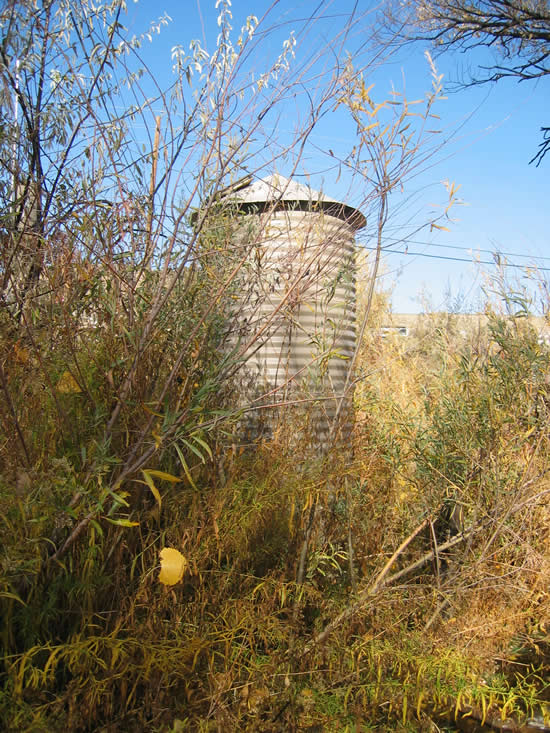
x=97, y=526
x=185, y=467
x=120, y=499
x=203, y=444
x=195, y=450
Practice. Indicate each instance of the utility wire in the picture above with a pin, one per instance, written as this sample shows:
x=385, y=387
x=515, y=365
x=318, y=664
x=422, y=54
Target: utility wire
x=458, y=259
x=396, y=240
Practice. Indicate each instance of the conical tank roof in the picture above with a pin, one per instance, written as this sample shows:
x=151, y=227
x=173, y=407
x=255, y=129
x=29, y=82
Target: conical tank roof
x=280, y=192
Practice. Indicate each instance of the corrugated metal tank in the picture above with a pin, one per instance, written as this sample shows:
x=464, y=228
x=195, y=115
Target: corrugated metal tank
x=294, y=306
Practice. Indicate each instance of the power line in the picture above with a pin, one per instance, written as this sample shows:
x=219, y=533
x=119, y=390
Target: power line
x=396, y=240
x=459, y=259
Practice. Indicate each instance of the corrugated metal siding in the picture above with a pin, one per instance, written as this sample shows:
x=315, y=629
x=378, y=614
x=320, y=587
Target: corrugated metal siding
x=298, y=291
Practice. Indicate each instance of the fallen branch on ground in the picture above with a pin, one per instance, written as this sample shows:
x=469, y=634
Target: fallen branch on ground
x=382, y=581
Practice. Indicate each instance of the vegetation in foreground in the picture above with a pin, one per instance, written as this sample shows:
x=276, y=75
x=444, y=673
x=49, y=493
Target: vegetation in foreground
x=426, y=591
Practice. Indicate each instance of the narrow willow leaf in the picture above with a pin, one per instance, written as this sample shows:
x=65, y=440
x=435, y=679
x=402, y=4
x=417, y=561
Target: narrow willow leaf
x=203, y=444
x=419, y=705
x=122, y=522
x=51, y=660
x=172, y=566
x=13, y=596
x=97, y=526
x=194, y=450
x=120, y=499
x=151, y=485
x=185, y=467
x=163, y=475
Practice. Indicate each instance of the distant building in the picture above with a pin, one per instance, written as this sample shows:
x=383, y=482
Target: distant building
x=403, y=325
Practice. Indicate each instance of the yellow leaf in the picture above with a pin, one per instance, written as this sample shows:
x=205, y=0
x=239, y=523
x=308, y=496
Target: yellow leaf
x=164, y=476
x=67, y=384
x=365, y=92
x=419, y=705
x=151, y=485
x=172, y=566
x=258, y=587
x=158, y=438
x=122, y=522
x=377, y=109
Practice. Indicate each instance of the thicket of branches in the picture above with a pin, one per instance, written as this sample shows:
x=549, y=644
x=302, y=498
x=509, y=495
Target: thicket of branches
x=515, y=32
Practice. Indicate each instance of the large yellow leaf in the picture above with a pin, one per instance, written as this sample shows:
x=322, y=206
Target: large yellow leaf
x=172, y=566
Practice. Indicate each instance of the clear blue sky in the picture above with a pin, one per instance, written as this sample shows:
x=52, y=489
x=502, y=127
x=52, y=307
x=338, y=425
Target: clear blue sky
x=493, y=132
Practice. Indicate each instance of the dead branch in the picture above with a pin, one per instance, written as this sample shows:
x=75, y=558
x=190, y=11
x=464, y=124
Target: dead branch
x=382, y=582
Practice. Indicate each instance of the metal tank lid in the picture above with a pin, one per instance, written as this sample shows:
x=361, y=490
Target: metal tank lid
x=277, y=192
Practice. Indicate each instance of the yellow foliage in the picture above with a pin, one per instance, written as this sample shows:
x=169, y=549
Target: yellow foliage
x=172, y=566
